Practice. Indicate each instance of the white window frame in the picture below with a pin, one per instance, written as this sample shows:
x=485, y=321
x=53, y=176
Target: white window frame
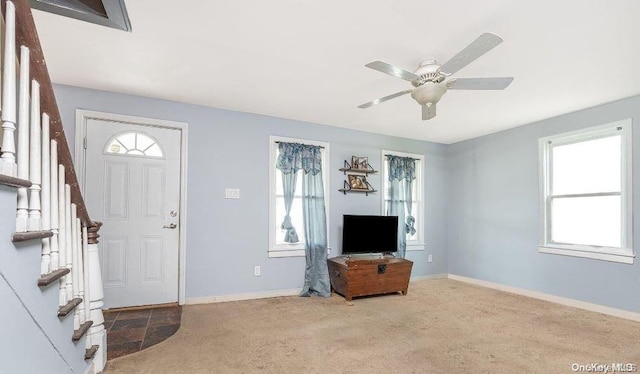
x=295, y=249
x=624, y=254
x=414, y=244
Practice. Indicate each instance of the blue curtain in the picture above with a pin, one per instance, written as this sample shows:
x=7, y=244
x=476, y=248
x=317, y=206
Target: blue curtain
x=308, y=158
x=289, y=189
x=316, y=275
x=402, y=173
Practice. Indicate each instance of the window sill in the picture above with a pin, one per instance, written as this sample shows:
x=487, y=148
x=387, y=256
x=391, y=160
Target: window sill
x=415, y=247
x=612, y=257
x=288, y=253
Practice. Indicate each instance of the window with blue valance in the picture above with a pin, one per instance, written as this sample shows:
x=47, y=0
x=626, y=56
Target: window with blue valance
x=298, y=213
x=403, y=197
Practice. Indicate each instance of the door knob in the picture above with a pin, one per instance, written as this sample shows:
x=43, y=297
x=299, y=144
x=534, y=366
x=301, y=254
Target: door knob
x=170, y=226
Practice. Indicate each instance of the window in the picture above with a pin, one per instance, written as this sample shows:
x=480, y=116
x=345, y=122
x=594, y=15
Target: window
x=134, y=144
x=277, y=245
x=415, y=241
x=585, y=193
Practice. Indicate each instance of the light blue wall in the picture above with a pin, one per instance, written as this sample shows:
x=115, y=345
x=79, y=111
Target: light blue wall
x=481, y=200
x=38, y=341
x=492, y=231
x=226, y=149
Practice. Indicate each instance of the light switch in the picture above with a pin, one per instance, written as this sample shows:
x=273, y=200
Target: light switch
x=232, y=193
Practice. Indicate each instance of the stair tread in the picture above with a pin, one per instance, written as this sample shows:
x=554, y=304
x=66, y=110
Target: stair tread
x=47, y=279
x=79, y=333
x=91, y=352
x=30, y=235
x=71, y=305
x=8, y=180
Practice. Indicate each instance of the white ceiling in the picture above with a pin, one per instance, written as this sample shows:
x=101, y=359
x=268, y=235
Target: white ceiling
x=304, y=59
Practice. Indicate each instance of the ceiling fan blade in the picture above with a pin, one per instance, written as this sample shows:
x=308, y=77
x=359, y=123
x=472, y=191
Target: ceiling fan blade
x=428, y=112
x=392, y=70
x=480, y=83
x=477, y=48
x=383, y=99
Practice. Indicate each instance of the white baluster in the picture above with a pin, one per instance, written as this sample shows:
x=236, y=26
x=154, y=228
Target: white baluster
x=69, y=241
x=22, y=215
x=75, y=260
x=80, y=272
x=35, y=162
x=97, y=333
x=46, y=195
x=62, y=234
x=55, y=257
x=8, y=164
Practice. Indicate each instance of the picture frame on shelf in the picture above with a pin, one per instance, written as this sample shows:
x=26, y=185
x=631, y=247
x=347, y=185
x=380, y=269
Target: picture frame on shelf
x=358, y=182
x=359, y=163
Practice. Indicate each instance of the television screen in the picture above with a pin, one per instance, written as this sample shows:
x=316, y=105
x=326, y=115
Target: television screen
x=369, y=234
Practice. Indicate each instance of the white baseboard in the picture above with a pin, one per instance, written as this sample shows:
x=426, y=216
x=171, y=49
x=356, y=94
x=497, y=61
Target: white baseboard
x=242, y=296
x=515, y=290
x=275, y=293
x=418, y=278
x=552, y=298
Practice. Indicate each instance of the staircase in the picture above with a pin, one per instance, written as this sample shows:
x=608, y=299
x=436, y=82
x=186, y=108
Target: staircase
x=50, y=280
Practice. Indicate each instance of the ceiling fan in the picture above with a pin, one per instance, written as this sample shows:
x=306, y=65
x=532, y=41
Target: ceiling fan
x=431, y=80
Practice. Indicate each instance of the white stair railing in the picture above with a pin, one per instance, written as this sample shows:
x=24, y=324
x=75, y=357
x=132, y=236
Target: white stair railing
x=46, y=208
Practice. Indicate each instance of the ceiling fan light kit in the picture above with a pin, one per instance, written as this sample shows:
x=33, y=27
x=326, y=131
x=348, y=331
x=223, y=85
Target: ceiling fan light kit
x=431, y=80
x=429, y=93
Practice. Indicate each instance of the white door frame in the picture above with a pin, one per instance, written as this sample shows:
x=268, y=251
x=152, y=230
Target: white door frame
x=80, y=161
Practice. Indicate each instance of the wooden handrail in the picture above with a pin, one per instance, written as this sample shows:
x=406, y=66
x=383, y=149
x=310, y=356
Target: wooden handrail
x=27, y=35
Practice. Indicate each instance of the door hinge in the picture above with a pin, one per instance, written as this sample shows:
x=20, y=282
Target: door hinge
x=84, y=143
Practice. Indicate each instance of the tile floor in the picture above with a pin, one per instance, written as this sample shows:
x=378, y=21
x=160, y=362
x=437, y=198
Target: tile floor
x=130, y=331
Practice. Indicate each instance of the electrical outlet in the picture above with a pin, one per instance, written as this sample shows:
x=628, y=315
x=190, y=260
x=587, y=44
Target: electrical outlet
x=430, y=258
x=256, y=271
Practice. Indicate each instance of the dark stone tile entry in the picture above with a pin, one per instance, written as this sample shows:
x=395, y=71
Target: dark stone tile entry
x=130, y=331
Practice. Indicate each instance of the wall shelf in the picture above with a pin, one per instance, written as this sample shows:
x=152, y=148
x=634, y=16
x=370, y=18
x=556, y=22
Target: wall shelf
x=347, y=168
x=357, y=177
x=366, y=192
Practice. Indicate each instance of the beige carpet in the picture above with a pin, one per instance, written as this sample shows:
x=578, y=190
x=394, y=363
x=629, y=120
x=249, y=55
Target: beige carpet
x=441, y=326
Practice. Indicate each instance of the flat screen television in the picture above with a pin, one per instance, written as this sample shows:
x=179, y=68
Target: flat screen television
x=369, y=234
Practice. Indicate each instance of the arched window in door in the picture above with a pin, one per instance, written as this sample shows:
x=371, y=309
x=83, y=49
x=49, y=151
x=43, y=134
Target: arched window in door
x=134, y=143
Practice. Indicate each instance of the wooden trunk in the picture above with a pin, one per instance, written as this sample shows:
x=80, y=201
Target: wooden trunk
x=363, y=277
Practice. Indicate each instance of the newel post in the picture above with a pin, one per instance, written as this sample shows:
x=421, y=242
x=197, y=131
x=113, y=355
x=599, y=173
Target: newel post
x=97, y=333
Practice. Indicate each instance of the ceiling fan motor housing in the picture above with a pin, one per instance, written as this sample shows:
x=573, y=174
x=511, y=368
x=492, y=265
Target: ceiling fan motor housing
x=429, y=93
x=428, y=71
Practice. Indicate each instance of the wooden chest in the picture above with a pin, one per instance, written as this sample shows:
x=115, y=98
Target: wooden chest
x=363, y=277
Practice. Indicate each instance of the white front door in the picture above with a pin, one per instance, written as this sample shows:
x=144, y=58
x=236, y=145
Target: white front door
x=132, y=185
